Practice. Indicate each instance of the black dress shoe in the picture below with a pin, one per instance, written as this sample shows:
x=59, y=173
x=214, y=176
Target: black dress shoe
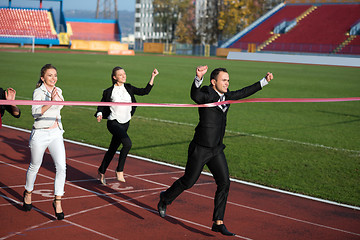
x=162, y=206
x=222, y=229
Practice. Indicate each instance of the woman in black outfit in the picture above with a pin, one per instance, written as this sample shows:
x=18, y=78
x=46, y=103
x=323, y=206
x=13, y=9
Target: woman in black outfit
x=119, y=118
x=8, y=94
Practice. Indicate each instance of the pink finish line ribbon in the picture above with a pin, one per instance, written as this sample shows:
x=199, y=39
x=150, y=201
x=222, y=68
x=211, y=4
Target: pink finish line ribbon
x=83, y=103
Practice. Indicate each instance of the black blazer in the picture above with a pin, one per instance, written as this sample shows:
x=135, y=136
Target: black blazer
x=212, y=120
x=130, y=89
x=6, y=107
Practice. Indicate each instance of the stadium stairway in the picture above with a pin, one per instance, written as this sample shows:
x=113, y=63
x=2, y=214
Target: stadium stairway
x=276, y=35
x=267, y=42
x=327, y=26
x=306, y=13
x=317, y=27
x=344, y=44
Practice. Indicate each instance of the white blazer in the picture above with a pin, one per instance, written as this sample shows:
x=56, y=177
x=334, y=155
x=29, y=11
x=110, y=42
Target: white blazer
x=47, y=119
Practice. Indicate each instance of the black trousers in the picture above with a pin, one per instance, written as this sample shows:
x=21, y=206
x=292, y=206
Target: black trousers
x=119, y=136
x=215, y=159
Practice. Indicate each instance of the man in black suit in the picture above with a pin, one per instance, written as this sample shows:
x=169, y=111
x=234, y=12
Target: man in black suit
x=207, y=145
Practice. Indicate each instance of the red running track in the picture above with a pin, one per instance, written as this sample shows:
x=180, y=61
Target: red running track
x=128, y=210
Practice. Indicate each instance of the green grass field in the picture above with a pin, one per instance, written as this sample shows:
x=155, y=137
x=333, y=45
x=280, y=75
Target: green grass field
x=308, y=148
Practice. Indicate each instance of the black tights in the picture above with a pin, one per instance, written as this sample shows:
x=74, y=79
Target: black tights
x=120, y=136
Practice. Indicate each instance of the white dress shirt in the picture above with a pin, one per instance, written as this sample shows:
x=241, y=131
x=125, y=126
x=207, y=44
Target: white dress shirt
x=120, y=113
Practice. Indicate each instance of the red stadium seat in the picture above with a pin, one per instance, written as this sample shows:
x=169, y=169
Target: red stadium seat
x=263, y=31
x=25, y=22
x=94, y=31
x=324, y=29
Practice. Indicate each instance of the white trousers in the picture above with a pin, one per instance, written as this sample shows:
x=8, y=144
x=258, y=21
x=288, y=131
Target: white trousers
x=40, y=139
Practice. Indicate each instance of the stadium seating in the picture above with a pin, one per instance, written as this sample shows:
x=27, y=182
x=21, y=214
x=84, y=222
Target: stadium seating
x=352, y=48
x=322, y=31
x=321, y=27
x=262, y=32
x=94, y=30
x=30, y=22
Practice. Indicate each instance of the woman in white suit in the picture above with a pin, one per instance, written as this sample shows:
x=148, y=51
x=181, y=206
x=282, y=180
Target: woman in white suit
x=47, y=132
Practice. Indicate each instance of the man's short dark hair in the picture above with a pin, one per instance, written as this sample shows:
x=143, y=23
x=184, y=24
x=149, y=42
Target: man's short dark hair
x=216, y=72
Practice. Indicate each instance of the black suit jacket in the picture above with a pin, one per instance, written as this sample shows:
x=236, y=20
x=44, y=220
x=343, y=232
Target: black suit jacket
x=212, y=120
x=130, y=89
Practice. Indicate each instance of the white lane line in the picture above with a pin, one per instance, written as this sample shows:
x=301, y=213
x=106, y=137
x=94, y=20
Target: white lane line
x=277, y=215
x=235, y=132
x=83, y=196
x=197, y=194
x=255, y=135
x=22, y=232
x=206, y=173
x=90, y=230
x=116, y=201
x=253, y=184
x=157, y=174
x=248, y=207
x=127, y=201
x=181, y=219
x=251, y=208
x=229, y=202
x=68, y=215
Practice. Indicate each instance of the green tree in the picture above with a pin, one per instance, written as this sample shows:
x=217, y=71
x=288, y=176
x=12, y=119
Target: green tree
x=235, y=15
x=185, y=30
x=231, y=17
x=170, y=14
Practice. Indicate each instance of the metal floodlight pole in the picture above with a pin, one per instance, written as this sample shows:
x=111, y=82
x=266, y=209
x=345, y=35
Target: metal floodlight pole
x=107, y=9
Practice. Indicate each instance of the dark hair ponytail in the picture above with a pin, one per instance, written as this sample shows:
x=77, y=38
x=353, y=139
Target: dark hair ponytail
x=42, y=73
x=115, y=69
